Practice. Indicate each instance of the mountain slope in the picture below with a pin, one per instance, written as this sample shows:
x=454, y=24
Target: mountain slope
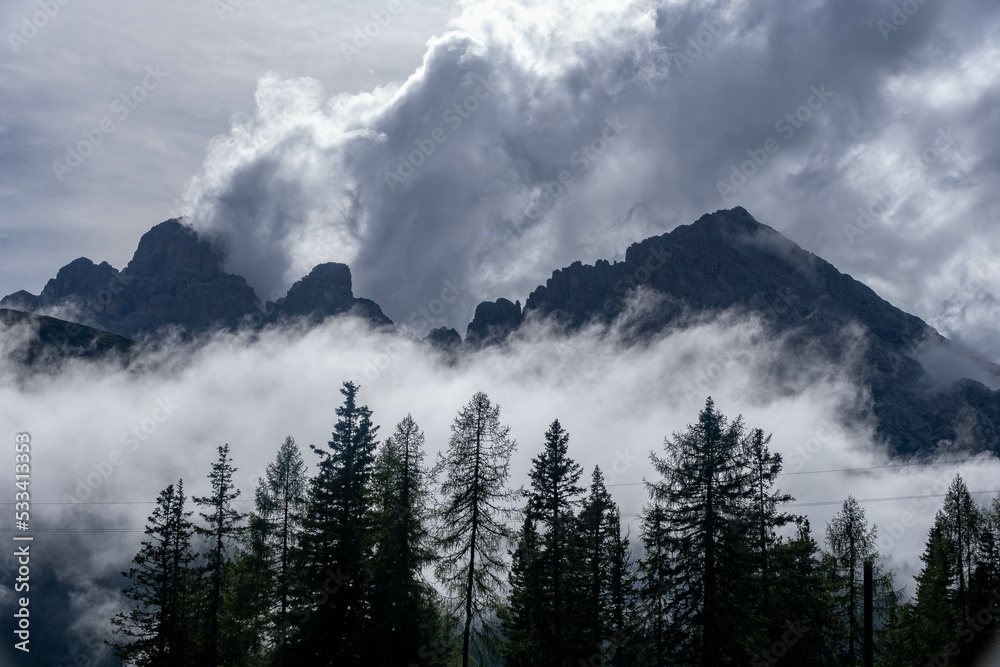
x=728, y=260
x=48, y=339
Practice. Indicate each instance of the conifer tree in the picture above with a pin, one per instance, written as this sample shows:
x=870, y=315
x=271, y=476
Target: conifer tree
x=519, y=617
x=595, y=544
x=406, y=616
x=852, y=542
x=960, y=522
x=336, y=543
x=805, y=611
x=704, y=488
x=261, y=578
x=654, y=586
x=249, y=615
x=473, y=514
x=280, y=502
x=155, y=630
x=621, y=622
x=222, y=527
x=552, y=499
x=936, y=609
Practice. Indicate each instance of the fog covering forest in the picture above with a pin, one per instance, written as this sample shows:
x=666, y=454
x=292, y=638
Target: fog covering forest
x=384, y=557
x=168, y=411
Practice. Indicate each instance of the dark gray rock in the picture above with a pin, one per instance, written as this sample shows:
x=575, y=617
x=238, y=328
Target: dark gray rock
x=493, y=322
x=326, y=292
x=727, y=260
x=176, y=280
x=444, y=338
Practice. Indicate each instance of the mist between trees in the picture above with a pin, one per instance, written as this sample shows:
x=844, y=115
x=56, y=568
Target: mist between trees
x=384, y=558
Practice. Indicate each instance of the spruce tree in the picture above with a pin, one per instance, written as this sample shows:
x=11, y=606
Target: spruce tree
x=406, y=615
x=621, y=623
x=552, y=499
x=519, y=617
x=222, y=525
x=654, y=587
x=935, y=603
x=472, y=515
x=704, y=490
x=155, y=630
x=596, y=550
x=335, y=545
x=805, y=611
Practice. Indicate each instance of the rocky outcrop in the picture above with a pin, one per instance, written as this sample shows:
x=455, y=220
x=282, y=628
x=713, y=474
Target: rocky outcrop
x=444, y=338
x=728, y=260
x=176, y=280
x=493, y=322
x=326, y=292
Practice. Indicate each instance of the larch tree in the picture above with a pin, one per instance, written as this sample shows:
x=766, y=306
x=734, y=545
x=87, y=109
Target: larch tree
x=852, y=541
x=473, y=512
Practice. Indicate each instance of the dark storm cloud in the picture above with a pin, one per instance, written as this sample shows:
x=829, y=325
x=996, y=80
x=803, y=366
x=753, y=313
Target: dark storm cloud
x=802, y=113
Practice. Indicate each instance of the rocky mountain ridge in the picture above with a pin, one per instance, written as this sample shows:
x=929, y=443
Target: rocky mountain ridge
x=176, y=280
x=724, y=261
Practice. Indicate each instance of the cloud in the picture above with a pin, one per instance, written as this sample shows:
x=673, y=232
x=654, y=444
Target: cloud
x=410, y=189
x=106, y=435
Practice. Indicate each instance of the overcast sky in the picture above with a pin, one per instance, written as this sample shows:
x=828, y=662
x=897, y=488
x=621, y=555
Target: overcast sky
x=284, y=130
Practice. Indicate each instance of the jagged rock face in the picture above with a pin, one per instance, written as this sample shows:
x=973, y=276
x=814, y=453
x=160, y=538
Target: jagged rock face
x=728, y=260
x=176, y=278
x=326, y=291
x=493, y=322
x=444, y=338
